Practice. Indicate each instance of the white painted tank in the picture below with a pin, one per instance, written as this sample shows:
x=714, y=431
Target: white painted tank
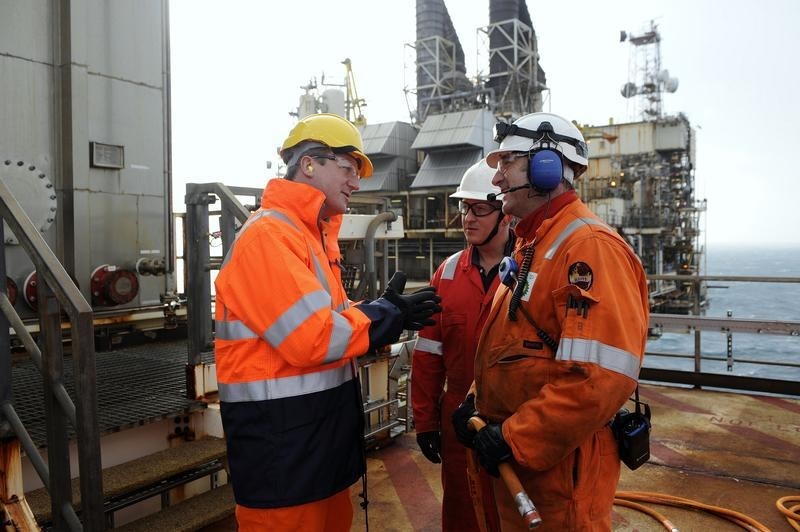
x=306, y=106
x=333, y=102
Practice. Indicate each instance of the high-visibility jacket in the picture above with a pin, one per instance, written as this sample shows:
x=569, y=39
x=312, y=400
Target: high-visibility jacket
x=587, y=292
x=286, y=338
x=442, y=371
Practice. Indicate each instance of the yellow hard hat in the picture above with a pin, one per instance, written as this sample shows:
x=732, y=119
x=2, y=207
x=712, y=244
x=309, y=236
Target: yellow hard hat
x=335, y=132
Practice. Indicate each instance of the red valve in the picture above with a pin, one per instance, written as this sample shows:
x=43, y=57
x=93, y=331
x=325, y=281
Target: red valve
x=113, y=286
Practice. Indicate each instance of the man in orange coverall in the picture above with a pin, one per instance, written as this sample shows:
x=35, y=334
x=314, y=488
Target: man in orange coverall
x=444, y=359
x=561, y=349
x=287, y=336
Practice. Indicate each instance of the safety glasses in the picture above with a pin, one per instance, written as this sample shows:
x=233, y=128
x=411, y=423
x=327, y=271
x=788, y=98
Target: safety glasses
x=342, y=162
x=508, y=159
x=478, y=209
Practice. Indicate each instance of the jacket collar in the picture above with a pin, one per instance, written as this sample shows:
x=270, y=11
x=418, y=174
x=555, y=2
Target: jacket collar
x=303, y=203
x=527, y=227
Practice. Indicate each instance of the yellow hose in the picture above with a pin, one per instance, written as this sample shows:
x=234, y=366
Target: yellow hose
x=792, y=514
x=744, y=521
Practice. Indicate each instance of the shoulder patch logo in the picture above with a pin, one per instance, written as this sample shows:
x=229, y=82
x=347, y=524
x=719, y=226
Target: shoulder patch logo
x=580, y=274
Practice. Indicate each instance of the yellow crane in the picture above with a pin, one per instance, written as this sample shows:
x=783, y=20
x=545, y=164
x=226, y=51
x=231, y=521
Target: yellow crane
x=353, y=103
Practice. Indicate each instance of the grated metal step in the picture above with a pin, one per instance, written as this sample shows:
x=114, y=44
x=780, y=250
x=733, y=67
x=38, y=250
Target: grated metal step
x=135, y=385
x=145, y=477
x=189, y=515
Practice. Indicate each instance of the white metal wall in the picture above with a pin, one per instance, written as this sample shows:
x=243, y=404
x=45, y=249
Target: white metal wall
x=86, y=71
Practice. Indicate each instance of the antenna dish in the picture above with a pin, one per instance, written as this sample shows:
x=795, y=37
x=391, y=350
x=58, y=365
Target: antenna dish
x=629, y=90
x=663, y=76
x=671, y=85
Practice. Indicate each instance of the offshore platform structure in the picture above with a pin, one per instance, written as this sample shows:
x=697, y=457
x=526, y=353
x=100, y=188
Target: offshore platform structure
x=419, y=163
x=640, y=180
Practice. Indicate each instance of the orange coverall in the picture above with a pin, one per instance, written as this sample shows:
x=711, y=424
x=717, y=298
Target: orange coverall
x=587, y=291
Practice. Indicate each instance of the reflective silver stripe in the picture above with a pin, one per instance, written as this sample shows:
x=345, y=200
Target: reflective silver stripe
x=280, y=216
x=568, y=230
x=605, y=356
x=318, y=269
x=294, y=316
x=283, y=387
x=257, y=216
x=449, y=271
x=341, y=307
x=429, y=346
x=340, y=338
x=233, y=330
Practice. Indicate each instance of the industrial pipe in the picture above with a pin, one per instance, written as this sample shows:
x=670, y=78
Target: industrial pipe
x=150, y=266
x=524, y=503
x=369, y=245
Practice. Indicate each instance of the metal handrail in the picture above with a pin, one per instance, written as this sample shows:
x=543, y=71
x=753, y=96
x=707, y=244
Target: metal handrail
x=731, y=278
x=198, y=261
x=687, y=323
x=697, y=324
x=57, y=291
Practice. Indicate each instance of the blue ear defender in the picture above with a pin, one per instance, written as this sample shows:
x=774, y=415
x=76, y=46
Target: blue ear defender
x=545, y=170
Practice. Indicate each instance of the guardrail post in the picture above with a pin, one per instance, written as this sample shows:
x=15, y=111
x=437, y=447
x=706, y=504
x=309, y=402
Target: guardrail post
x=729, y=338
x=53, y=368
x=198, y=279
x=697, y=341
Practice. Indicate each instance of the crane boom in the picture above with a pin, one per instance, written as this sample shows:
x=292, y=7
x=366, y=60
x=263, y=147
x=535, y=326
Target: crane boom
x=353, y=103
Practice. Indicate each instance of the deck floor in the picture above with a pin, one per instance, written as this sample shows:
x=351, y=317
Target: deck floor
x=740, y=452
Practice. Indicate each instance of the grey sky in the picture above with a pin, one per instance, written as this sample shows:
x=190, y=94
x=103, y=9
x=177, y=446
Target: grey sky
x=237, y=68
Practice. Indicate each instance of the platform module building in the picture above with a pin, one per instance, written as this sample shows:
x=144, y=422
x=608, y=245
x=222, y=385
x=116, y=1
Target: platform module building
x=641, y=180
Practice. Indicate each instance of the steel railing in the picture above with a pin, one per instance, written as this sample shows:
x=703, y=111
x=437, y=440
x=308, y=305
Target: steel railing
x=56, y=292
x=697, y=324
x=198, y=261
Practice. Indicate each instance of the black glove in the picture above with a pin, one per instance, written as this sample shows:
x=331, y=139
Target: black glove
x=417, y=307
x=430, y=443
x=492, y=448
x=461, y=415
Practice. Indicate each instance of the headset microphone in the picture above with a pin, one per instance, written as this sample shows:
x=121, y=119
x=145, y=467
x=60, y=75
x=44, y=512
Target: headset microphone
x=493, y=197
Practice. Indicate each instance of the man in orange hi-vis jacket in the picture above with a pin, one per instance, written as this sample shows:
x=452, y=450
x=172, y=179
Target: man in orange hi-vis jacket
x=287, y=338
x=561, y=349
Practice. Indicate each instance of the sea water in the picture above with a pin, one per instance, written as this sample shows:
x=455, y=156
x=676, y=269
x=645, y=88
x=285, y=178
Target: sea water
x=759, y=301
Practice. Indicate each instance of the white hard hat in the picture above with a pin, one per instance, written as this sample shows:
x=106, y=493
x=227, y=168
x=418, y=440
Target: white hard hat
x=537, y=130
x=477, y=182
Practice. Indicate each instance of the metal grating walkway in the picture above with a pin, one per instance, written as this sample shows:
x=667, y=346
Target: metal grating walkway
x=135, y=385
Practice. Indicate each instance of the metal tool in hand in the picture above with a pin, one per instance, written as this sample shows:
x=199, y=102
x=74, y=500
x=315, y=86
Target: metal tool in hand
x=524, y=503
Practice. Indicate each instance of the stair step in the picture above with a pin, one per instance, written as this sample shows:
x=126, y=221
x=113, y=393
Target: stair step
x=138, y=474
x=188, y=515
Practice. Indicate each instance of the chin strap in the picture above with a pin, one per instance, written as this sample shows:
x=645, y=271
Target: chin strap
x=494, y=231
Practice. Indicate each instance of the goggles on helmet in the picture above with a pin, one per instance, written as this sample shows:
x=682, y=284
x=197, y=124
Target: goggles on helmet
x=543, y=133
